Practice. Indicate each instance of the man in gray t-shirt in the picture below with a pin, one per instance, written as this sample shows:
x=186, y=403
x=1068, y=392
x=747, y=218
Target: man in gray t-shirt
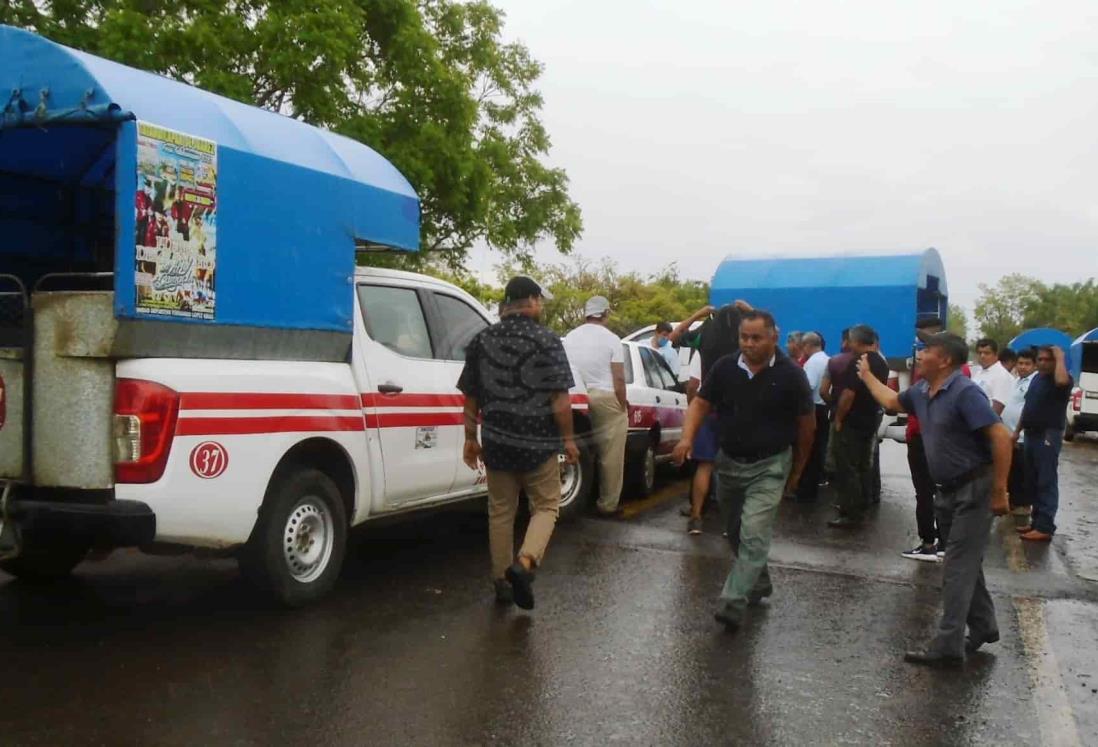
x=968, y=450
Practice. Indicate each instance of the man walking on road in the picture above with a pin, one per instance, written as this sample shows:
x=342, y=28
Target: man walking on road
x=1044, y=418
x=856, y=418
x=968, y=451
x=766, y=425
x=597, y=354
x=516, y=379
x=993, y=378
x=815, y=367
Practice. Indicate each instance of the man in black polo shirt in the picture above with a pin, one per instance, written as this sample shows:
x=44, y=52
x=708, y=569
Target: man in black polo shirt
x=516, y=378
x=767, y=421
x=968, y=452
x=1044, y=418
x=857, y=416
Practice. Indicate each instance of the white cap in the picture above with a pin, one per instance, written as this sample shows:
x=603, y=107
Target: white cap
x=596, y=306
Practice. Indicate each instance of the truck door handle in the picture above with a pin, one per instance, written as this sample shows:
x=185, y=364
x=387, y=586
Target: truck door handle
x=390, y=388
x=658, y=400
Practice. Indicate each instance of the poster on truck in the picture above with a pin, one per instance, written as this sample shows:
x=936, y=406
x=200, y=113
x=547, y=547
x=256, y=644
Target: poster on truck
x=176, y=236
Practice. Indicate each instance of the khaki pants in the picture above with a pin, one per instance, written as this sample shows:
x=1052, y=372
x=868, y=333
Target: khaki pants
x=609, y=427
x=542, y=486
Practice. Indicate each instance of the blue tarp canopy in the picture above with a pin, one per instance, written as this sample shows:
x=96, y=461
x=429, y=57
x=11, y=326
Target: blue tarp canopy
x=1038, y=336
x=292, y=201
x=1075, y=352
x=829, y=293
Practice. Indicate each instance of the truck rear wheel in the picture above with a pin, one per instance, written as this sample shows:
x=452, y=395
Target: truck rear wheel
x=298, y=544
x=640, y=471
x=576, y=484
x=45, y=561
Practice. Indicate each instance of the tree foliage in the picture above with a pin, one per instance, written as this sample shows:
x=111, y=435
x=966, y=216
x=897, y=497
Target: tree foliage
x=1018, y=302
x=430, y=84
x=957, y=321
x=635, y=300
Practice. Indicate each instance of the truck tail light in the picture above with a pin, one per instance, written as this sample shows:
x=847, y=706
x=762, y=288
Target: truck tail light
x=144, y=425
x=1077, y=400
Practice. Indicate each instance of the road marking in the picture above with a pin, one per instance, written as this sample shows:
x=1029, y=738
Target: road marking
x=660, y=497
x=1050, y=699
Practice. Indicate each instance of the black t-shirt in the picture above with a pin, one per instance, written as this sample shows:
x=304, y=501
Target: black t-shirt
x=863, y=414
x=758, y=415
x=514, y=368
x=1046, y=403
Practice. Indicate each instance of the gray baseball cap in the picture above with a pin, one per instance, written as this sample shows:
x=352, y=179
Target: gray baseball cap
x=596, y=306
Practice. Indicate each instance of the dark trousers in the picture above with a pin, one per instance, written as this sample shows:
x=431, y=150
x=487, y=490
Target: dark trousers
x=1019, y=491
x=1042, y=464
x=964, y=522
x=853, y=470
x=924, y=490
x=809, y=488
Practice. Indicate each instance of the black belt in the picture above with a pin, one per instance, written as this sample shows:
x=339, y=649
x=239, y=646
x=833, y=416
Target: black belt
x=956, y=483
x=756, y=456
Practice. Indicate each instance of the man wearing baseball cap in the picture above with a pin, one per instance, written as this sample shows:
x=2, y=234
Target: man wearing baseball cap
x=968, y=451
x=597, y=354
x=516, y=381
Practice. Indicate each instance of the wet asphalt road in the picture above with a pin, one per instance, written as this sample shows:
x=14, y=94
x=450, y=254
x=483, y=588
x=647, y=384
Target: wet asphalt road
x=622, y=647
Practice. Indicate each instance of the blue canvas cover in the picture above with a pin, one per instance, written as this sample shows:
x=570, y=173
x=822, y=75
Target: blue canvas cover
x=830, y=293
x=1075, y=352
x=282, y=202
x=1037, y=336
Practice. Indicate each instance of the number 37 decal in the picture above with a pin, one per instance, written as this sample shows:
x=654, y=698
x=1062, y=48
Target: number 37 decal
x=209, y=460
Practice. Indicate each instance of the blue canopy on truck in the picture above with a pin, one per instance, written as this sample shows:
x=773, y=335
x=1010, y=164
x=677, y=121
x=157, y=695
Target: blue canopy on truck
x=210, y=211
x=829, y=294
x=1038, y=336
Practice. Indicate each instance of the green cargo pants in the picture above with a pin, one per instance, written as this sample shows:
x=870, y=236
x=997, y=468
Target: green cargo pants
x=853, y=470
x=751, y=491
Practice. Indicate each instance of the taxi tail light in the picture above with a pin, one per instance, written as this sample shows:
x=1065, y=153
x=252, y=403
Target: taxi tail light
x=145, y=414
x=1077, y=400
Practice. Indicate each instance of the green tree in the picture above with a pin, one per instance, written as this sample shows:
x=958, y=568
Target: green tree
x=1072, y=308
x=957, y=321
x=1001, y=309
x=636, y=300
x=430, y=84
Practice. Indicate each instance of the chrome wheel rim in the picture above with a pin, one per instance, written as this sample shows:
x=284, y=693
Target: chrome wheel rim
x=307, y=539
x=649, y=468
x=570, y=478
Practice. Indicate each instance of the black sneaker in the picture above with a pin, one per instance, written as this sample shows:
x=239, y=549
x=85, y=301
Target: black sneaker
x=694, y=526
x=521, y=586
x=924, y=553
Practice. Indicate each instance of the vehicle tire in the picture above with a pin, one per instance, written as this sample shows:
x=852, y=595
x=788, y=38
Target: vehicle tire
x=640, y=471
x=46, y=561
x=577, y=484
x=1069, y=433
x=297, y=547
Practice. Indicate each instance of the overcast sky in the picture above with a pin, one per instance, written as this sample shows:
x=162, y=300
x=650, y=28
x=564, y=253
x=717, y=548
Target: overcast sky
x=696, y=128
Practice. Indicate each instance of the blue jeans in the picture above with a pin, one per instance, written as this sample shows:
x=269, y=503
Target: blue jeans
x=1042, y=457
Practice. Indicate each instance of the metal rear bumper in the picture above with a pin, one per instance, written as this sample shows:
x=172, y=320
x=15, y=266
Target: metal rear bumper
x=114, y=524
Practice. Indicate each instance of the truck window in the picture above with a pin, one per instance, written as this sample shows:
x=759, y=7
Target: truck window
x=461, y=323
x=628, y=364
x=394, y=318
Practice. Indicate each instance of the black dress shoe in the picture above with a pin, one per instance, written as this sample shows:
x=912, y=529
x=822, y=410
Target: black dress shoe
x=973, y=643
x=933, y=659
x=727, y=617
x=755, y=597
x=504, y=595
x=844, y=522
x=521, y=586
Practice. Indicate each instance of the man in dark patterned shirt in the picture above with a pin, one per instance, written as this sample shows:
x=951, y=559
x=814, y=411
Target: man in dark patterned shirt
x=516, y=380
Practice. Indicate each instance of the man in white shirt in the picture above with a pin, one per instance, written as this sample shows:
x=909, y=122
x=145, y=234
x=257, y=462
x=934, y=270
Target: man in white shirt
x=1025, y=367
x=815, y=367
x=597, y=355
x=995, y=381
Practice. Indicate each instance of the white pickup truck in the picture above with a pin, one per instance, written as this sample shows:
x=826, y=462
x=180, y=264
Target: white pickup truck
x=188, y=354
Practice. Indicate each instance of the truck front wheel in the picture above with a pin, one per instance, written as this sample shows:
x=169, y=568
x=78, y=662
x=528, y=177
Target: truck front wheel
x=44, y=561
x=298, y=544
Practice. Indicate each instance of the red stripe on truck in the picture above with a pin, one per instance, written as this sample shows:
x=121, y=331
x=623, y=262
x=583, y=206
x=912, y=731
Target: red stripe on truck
x=413, y=419
x=374, y=399
x=266, y=401
x=281, y=424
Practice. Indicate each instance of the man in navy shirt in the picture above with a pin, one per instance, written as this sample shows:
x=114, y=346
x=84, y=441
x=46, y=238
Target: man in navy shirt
x=766, y=423
x=968, y=450
x=1044, y=417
